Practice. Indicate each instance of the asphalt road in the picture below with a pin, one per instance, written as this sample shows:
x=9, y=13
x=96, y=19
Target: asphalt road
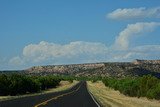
x=77, y=96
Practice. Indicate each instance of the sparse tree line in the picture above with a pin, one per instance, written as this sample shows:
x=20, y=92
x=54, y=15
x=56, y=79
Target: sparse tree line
x=146, y=86
x=16, y=84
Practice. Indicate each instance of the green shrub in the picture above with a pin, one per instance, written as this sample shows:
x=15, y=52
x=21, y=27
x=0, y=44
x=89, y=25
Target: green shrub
x=154, y=93
x=146, y=83
x=4, y=85
x=48, y=82
x=15, y=84
x=146, y=86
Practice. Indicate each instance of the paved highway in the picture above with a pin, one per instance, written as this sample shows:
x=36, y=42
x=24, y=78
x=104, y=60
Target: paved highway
x=77, y=96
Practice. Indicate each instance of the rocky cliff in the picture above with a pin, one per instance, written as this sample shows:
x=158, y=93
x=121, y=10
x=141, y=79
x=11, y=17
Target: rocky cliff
x=137, y=61
x=116, y=69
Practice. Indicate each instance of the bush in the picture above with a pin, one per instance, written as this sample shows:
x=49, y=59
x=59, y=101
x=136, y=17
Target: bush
x=154, y=92
x=48, y=82
x=4, y=85
x=146, y=86
x=18, y=84
x=146, y=83
x=129, y=87
x=15, y=84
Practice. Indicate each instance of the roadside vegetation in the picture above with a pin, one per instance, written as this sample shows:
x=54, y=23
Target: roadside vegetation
x=146, y=86
x=108, y=97
x=17, y=84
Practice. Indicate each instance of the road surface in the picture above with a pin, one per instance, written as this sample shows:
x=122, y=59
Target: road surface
x=77, y=96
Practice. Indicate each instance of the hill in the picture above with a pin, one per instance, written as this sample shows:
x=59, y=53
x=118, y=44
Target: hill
x=116, y=69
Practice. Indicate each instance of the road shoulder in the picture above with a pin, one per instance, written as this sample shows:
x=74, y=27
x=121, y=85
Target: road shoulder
x=111, y=98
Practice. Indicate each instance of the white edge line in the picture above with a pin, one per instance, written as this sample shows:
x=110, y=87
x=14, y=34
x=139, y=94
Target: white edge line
x=93, y=98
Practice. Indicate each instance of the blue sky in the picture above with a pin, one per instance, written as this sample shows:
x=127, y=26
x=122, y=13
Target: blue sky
x=40, y=32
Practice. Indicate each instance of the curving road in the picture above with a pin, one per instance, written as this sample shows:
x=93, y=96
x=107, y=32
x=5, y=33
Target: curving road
x=77, y=96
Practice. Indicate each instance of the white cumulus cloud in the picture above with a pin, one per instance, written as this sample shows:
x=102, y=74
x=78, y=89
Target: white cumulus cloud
x=138, y=52
x=132, y=13
x=16, y=61
x=122, y=41
x=45, y=51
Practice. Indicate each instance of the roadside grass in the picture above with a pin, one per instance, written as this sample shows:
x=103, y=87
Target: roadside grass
x=63, y=86
x=111, y=98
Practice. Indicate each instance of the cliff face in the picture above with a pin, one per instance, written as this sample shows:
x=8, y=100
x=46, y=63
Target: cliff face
x=64, y=68
x=137, y=61
x=135, y=68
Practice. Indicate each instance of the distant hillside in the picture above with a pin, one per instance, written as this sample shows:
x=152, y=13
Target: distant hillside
x=116, y=69
x=137, y=61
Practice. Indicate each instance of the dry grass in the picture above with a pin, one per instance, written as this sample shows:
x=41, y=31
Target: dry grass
x=111, y=98
x=63, y=86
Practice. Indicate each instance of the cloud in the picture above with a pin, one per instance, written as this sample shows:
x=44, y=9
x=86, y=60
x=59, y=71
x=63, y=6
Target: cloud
x=138, y=52
x=45, y=53
x=123, y=40
x=51, y=52
x=16, y=61
x=144, y=52
x=135, y=13
x=45, y=50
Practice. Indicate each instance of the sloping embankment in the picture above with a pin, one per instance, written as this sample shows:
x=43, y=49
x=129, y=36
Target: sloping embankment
x=111, y=98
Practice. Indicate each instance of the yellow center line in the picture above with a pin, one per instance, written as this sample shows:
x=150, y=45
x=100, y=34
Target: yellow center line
x=56, y=97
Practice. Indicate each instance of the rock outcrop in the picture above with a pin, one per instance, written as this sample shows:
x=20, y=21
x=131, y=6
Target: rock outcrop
x=137, y=61
x=64, y=68
x=116, y=69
